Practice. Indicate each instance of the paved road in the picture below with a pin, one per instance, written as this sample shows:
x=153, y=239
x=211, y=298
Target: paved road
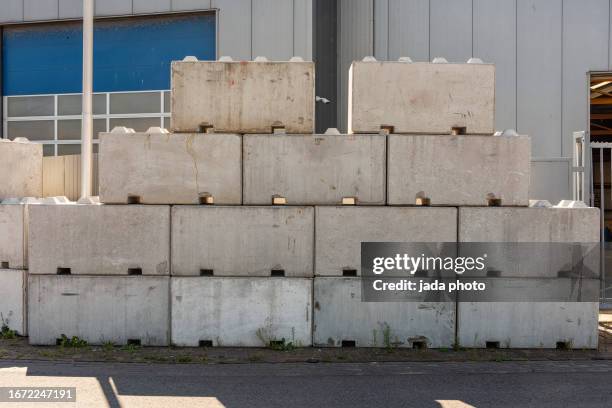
x=440, y=385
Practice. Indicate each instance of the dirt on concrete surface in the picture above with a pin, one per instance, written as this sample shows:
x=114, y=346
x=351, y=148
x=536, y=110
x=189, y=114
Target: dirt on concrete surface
x=18, y=348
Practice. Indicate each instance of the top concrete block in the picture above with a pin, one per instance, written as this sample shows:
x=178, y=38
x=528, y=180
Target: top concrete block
x=421, y=97
x=20, y=169
x=99, y=239
x=243, y=97
x=158, y=168
x=314, y=169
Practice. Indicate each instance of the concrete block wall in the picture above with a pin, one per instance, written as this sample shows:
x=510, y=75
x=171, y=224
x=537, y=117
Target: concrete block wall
x=13, y=236
x=13, y=294
x=20, y=169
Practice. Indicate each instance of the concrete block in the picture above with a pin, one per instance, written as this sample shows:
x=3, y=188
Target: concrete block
x=158, y=168
x=314, y=169
x=459, y=170
x=528, y=324
x=243, y=97
x=341, y=230
x=99, y=309
x=242, y=241
x=13, y=236
x=340, y=316
x=421, y=97
x=13, y=300
x=20, y=169
x=542, y=228
x=241, y=312
x=99, y=239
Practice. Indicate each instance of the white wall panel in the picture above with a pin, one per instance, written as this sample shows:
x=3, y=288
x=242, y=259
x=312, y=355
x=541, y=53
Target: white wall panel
x=539, y=74
x=11, y=10
x=409, y=29
x=302, y=28
x=355, y=41
x=40, y=10
x=273, y=29
x=151, y=6
x=184, y=5
x=495, y=41
x=451, y=29
x=585, y=47
x=70, y=9
x=113, y=7
x=234, y=29
x=381, y=29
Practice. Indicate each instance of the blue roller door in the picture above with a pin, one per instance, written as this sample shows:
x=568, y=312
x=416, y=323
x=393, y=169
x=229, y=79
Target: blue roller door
x=130, y=54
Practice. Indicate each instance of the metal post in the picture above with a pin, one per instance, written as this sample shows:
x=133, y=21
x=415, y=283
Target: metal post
x=602, y=205
x=87, y=122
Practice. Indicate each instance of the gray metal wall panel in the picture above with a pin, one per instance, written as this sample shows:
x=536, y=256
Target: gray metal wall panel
x=151, y=6
x=550, y=180
x=272, y=30
x=451, y=29
x=113, y=7
x=409, y=29
x=585, y=47
x=325, y=56
x=11, y=11
x=381, y=30
x=70, y=9
x=355, y=41
x=539, y=74
x=185, y=5
x=302, y=28
x=495, y=41
x=40, y=10
x=234, y=29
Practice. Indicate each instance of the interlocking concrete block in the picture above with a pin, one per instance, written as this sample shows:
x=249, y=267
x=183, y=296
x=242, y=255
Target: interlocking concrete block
x=13, y=236
x=99, y=239
x=99, y=309
x=421, y=97
x=243, y=97
x=562, y=239
x=341, y=230
x=459, y=170
x=242, y=241
x=341, y=318
x=20, y=169
x=314, y=169
x=158, y=168
x=241, y=312
x=13, y=300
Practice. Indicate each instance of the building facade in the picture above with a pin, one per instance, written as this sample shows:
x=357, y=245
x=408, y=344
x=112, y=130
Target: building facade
x=543, y=50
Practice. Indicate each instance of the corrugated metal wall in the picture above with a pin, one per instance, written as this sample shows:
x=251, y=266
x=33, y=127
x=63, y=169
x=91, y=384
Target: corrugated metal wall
x=277, y=29
x=542, y=49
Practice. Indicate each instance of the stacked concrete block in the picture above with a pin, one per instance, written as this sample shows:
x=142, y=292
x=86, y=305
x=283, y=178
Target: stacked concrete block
x=459, y=170
x=13, y=235
x=99, y=239
x=99, y=309
x=13, y=292
x=161, y=168
x=314, y=169
x=570, y=317
x=241, y=312
x=242, y=241
x=243, y=97
x=20, y=169
x=428, y=98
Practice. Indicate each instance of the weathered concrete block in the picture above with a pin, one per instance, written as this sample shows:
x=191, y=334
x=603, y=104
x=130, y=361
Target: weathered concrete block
x=20, y=169
x=341, y=230
x=13, y=236
x=241, y=312
x=99, y=239
x=242, y=241
x=459, y=170
x=243, y=97
x=13, y=300
x=421, y=97
x=158, y=168
x=340, y=316
x=99, y=309
x=314, y=169
x=540, y=227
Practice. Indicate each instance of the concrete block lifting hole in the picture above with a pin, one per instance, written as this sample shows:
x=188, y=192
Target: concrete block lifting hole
x=99, y=239
x=341, y=319
x=241, y=312
x=99, y=309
